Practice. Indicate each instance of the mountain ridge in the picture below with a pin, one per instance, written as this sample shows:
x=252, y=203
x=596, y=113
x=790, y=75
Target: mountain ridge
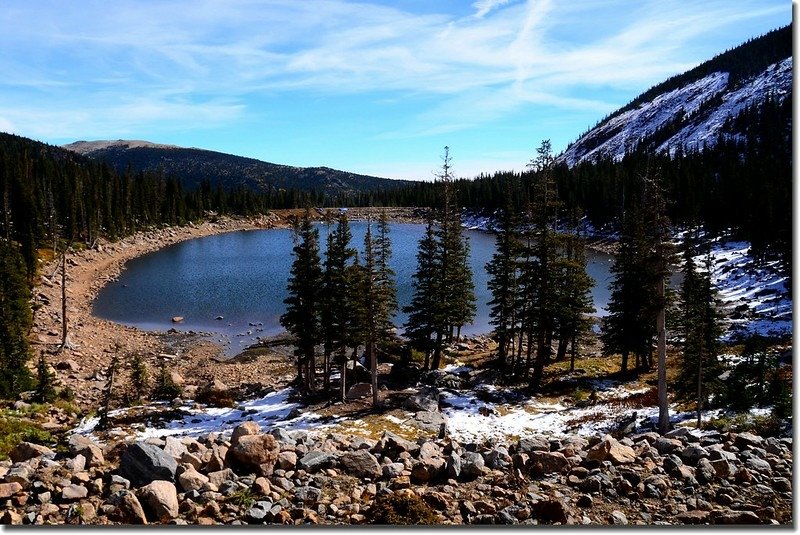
x=195, y=166
x=688, y=112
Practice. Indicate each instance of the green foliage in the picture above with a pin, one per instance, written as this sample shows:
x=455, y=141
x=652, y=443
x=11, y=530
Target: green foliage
x=244, y=498
x=401, y=509
x=45, y=388
x=140, y=377
x=444, y=292
x=15, y=429
x=759, y=380
x=15, y=323
x=165, y=388
x=700, y=329
x=305, y=285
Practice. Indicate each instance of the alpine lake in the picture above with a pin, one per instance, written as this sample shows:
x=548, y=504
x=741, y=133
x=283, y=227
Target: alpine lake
x=231, y=286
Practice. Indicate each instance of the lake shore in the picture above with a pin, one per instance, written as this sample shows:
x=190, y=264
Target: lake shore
x=92, y=341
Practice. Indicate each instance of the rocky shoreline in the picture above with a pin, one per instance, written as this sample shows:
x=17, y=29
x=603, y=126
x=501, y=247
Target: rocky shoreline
x=305, y=477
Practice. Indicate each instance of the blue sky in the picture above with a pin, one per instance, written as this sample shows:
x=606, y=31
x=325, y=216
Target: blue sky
x=372, y=87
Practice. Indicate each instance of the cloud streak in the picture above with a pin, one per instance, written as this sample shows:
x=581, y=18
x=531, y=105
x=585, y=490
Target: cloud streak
x=83, y=68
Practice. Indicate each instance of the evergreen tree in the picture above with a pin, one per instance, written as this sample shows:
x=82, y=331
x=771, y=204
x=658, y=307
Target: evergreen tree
x=444, y=292
x=574, y=300
x=45, y=382
x=15, y=322
x=140, y=378
x=337, y=303
x=504, y=283
x=541, y=267
x=386, y=290
x=629, y=327
x=700, y=367
x=302, y=316
x=423, y=311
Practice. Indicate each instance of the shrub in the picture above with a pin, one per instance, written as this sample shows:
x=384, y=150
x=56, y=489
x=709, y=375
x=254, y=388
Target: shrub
x=165, y=388
x=401, y=509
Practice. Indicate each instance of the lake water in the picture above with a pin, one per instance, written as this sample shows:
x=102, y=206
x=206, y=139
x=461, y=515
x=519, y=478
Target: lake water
x=242, y=276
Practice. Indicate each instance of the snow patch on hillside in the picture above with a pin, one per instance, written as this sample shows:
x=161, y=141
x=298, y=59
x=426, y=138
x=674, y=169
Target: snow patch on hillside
x=755, y=295
x=776, y=80
x=700, y=127
x=624, y=131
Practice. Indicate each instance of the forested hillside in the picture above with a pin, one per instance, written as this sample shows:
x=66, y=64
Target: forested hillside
x=196, y=166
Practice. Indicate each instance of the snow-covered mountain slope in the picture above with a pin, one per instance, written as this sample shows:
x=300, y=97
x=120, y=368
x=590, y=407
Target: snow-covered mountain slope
x=695, y=115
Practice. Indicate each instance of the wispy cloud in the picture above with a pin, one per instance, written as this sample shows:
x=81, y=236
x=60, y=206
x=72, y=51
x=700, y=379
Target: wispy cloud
x=73, y=68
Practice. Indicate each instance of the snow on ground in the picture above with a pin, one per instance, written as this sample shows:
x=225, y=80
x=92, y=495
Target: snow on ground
x=743, y=282
x=272, y=410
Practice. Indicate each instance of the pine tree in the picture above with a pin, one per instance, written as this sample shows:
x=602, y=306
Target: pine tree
x=504, y=281
x=140, y=378
x=302, y=316
x=423, y=311
x=541, y=267
x=45, y=382
x=165, y=388
x=108, y=393
x=700, y=328
x=386, y=290
x=15, y=322
x=337, y=305
x=574, y=300
x=629, y=328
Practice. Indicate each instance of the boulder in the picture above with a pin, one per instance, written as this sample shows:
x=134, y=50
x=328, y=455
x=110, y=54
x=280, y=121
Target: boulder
x=361, y=464
x=254, y=453
x=432, y=422
x=127, y=508
x=392, y=444
x=74, y=492
x=529, y=444
x=160, y=499
x=472, y=465
x=551, y=511
x=191, y=479
x=426, y=399
x=143, y=463
x=667, y=445
x=307, y=494
x=314, y=461
x=611, y=449
x=174, y=447
x=287, y=460
x=747, y=441
x=7, y=490
x=726, y=516
x=547, y=462
x=244, y=429
x=81, y=445
x=359, y=390
x=28, y=450
x=693, y=453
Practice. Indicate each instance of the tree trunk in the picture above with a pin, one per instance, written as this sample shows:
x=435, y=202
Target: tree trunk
x=700, y=393
x=343, y=378
x=373, y=366
x=64, y=299
x=661, y=327
x=572, y=355
x=624, y=366
x=561, y=352
x=437, y=352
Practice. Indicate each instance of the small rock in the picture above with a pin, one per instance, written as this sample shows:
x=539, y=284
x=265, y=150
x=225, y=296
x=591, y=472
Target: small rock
x=142, y=463
x=618, y=518
x=74, y=492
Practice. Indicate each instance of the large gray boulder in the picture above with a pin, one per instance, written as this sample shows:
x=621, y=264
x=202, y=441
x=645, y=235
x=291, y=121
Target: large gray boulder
x=361, y=464
x=253, y=453
x=143, y=463
x=432, y=422
x=426, y=399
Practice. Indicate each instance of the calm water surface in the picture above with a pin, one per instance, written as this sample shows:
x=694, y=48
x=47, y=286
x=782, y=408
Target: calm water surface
x=242, y=276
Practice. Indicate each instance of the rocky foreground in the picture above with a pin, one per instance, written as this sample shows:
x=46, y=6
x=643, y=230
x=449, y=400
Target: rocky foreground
x=301, y=477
